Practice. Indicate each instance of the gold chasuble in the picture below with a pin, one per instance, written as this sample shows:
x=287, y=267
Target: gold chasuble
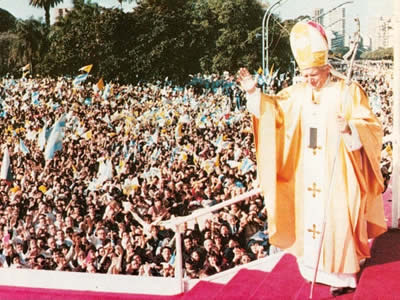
x=296, y=137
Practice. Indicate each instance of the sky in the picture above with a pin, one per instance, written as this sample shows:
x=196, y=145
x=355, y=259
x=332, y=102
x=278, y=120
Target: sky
x=22, y=10
x=363, y=9
x=289, y=9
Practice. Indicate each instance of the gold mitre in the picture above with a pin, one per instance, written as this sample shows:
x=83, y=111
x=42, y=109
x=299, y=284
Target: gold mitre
x=309, y=45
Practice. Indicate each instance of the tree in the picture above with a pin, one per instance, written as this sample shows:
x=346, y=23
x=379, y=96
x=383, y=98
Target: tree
x=165, y=40
x=7, y=21
x=7, y=25
x=233, y=36
x=46, y=5
x=73, y=41
x=381, y=53
x=28, y=46
x=158, y=39
x=236, y=44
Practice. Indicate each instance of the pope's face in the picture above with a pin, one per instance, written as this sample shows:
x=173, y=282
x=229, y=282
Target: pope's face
x=316, y=76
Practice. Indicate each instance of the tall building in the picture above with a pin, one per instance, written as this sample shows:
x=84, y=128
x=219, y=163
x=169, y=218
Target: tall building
x=337, y=24
x=337, y=21
x=381, y=32
x=317, y=16
x=59, y=13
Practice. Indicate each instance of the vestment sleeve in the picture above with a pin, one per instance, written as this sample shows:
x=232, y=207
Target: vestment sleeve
x=253, y=102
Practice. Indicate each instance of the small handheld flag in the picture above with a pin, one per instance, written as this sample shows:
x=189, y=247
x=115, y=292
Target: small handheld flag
x=26, y=67
x=79, y=79
x=86, y=69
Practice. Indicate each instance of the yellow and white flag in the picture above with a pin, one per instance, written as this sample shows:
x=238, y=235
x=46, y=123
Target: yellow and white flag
x=86, y=69
x=87, y=135
x=26, y=67
x=100, y=84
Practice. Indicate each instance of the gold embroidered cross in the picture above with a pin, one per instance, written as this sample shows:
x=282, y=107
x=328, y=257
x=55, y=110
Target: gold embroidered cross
x=315, y=149
x=313, y=189
x=314, y=231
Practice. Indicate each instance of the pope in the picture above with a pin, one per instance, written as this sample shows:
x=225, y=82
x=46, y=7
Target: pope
x=312, y=135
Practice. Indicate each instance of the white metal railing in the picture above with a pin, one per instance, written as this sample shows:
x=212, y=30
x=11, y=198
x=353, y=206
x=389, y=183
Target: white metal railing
x=175, y=223
x=118, y=283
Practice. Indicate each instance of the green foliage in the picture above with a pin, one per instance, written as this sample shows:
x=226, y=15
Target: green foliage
x=339, y=51
x=164, y=40
x=381, y=53
x=26, y=44
x=158, y=39
x=7, y=21
x=238, y=22
x=7, y=25
x=46, y=5
x=73, y=41
x=6, y=40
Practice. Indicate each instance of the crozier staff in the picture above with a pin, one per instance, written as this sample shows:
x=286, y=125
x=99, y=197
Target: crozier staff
x=296, y=136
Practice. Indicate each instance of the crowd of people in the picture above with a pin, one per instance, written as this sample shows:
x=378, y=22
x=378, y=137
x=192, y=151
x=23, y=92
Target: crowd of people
x=132, y=156
x=376, y=80
x=127, y=158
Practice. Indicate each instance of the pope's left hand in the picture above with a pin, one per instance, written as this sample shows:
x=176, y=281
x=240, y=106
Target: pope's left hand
x=343, y=125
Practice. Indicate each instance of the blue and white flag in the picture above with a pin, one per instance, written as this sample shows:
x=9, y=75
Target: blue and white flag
x=106, y=91
x=105, y=171
x=55, y=140
x=174, y=152
x=22, y=147
x=156, y=153
x=79, y=79
x=262, y=79
x=42, y=138
x=153, y=139
x=232, y=163
x=375, y=103
x=88, y=101
x=5, y=172
x=35, y=98
x=246, y=165
x=55, y=105
x=275, y=73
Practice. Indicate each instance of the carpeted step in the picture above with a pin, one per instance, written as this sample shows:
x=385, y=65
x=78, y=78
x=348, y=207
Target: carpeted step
x=242, y=285
x=320, y=291
x=25, y=293
x=379, y=281
x=203, y=290
x=283, y=282
x=380, y=276
x=286, y=282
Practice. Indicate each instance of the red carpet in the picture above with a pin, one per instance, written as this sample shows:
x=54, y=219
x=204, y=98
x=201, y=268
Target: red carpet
x=203, y=291
x=283, y=282
x=17, y=293
x=381, y=274
x=387, y=205
x=240, y=285
x=286, y=282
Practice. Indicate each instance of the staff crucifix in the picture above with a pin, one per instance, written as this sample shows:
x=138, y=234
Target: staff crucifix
x=351, y=53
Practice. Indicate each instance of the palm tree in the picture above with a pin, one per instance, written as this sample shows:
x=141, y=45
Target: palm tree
x=46, y=4
x=27, y=45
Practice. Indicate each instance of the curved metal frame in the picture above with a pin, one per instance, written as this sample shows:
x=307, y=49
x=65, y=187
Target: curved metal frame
x=267, y=15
